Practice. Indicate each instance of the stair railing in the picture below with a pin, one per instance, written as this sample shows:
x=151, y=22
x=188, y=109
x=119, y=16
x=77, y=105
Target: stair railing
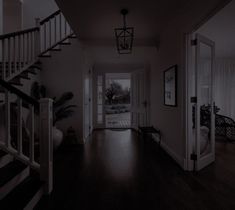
x=14, y=142
x=20, y=50
x=53, y=30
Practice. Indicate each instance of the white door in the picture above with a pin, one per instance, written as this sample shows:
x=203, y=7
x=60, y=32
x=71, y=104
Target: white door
x=87, y=105
x=139, y=99
x=98, y=103
x=204, y=106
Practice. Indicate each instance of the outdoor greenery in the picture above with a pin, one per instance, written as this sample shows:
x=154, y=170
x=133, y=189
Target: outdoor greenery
x=116, y=94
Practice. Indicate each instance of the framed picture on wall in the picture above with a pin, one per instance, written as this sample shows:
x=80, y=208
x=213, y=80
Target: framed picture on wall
x=170, y=86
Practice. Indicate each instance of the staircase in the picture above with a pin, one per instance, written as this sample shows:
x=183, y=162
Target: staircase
x=26, y=150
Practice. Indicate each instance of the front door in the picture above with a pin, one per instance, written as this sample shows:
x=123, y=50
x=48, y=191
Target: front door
x=204, y=106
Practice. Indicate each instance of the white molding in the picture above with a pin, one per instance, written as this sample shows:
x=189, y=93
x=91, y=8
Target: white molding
x=180, y=160
x=14, y=182
x=5, y=160
x=36, y=198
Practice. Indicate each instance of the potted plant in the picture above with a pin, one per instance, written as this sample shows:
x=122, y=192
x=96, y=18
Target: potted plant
x=61, y=109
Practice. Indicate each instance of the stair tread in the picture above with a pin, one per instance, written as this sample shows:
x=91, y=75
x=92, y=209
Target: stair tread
x=10, y=171
x=24, y=77
x=31, y=71
x=22, y=194
x=2, y=153
x=44, y=56
x=65, y=43
x=54, y=49
x=16, y=84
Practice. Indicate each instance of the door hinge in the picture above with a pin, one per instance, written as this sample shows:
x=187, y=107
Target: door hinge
x=193, y=99
x=193, y=157
x=194, y=42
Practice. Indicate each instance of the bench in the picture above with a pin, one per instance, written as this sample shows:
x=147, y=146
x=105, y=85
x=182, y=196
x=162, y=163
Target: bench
x=149, y=130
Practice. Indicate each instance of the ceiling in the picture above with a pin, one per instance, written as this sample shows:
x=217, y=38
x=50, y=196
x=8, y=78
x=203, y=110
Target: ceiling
x=221, y=29
x=95, y=20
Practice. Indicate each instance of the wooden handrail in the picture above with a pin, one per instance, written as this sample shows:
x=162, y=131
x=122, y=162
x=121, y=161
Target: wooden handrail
x=19, y=93
x=5, y=36
x=50, y=17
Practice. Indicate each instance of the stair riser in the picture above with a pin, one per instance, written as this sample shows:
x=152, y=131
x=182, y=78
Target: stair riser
x=8, y=187
x=33, y=202
x=5, y=160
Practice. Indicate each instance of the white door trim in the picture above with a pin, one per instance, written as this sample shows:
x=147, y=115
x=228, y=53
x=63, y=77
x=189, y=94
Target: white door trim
x=190, y=92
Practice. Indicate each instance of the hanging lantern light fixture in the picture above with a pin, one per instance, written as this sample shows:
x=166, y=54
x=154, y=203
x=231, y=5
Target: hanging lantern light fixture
x=124, y=36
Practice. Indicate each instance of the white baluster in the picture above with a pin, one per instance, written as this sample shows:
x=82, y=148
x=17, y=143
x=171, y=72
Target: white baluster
x=60, y=23
x=46, y=144
x=14, y=54
x=37, y=40
x=19, y=52
x=45, y=36
x=3, y=60
x=28, y=48
x=65, y=28
x=19, y=125
x=31, y=149
x=50, y=33
x=32, y=47
x=9, y=57
x=55, y=22
x=7, y=119
x=23, y=50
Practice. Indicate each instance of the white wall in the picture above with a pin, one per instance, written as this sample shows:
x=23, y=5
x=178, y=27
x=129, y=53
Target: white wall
x=37, y=9
x=107, y=60
x=221, y=30
x=32, y=9
x=172, y=121
x=12, y=16
x=64, y=72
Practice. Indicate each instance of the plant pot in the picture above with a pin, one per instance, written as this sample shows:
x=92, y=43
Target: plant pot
x=57, y=137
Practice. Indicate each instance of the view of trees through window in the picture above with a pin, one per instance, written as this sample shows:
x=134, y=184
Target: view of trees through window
x=117, y=103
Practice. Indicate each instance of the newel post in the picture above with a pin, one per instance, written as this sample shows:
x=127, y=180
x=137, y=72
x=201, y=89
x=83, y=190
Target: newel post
x=37, y=38
x=46, y=143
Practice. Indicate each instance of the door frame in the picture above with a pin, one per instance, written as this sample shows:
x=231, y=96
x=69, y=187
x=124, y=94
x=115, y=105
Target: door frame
x=88, y=74
x=190, y=69
x=208, y=158
x=187, y=63
x=97, y=73
x=191, y=92
x=94, y=101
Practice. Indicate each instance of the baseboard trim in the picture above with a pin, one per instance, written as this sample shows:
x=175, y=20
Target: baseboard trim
x=9, y=186
x=179, y=160
x=5, y=160
x=174, y=155
x=36, y=198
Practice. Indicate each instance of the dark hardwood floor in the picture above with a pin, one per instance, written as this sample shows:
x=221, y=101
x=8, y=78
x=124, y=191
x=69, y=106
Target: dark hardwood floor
x=116, y=170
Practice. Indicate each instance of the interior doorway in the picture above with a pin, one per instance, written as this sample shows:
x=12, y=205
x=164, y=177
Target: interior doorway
x=118, y=100
x=121, y=99
x=216, y=63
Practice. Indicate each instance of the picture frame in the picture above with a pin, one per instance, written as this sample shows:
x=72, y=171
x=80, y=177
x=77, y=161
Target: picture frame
x=170, y=86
